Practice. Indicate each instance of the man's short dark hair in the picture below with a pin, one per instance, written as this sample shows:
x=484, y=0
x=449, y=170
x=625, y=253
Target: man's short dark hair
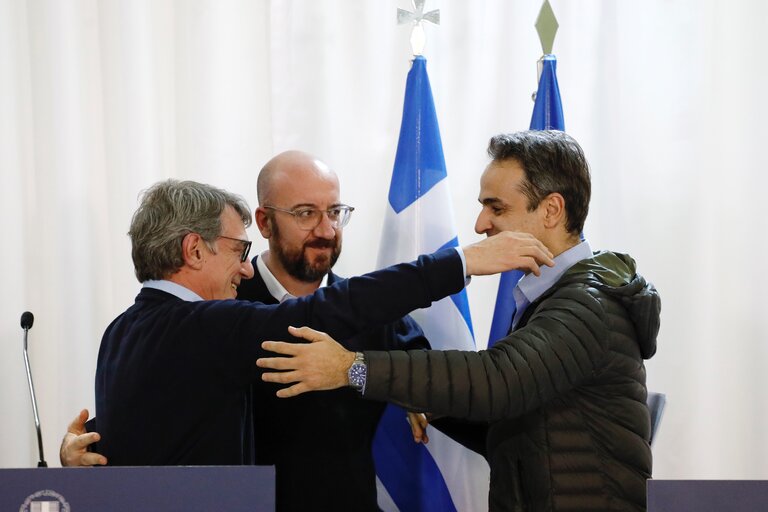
x=552, y=162
x=169, y=211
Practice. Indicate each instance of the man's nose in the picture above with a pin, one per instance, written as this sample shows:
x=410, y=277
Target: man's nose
x=482, y=224
x=325, y=228
x=246, y=269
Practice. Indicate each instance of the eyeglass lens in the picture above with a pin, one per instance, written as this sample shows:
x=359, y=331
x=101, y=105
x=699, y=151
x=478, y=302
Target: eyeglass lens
x=310, y=218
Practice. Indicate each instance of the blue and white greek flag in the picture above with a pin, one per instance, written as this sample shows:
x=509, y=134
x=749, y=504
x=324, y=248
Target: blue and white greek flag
x=547, y=115
x=443, y=475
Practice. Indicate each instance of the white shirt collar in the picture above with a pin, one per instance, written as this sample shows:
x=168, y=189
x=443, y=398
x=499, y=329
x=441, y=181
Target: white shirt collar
x=274, y=287
x=174, y=289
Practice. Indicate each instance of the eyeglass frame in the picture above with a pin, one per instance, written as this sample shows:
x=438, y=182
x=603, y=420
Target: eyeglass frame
x=295, y=214
x=246, y=247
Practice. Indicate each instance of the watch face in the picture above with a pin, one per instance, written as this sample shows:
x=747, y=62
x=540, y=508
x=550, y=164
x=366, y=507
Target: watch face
x=357, y=375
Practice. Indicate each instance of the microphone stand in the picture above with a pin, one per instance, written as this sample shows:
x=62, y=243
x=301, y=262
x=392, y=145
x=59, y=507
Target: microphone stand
x=41, y=463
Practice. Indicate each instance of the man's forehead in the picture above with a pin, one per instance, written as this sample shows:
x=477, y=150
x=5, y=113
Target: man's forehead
x=506, y=172
x=311, y=191
x=509, y=166
x=314, y=199
x=499, y=180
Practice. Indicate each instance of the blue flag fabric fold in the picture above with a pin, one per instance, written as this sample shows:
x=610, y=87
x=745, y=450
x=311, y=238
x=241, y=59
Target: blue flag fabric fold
x=419, y=162
x=548, y=109
x=547, y=115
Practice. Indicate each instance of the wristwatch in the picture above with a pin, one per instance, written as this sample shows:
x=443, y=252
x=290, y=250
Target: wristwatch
x=358, y=372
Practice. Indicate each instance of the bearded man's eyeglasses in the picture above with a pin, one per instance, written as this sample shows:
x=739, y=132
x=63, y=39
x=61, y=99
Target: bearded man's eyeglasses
x=308, y=219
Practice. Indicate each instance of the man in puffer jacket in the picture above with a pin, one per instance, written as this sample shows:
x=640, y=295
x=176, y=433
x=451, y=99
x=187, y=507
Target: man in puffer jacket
x=562, y=397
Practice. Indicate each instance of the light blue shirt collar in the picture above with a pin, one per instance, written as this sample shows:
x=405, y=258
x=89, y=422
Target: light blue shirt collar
x=174, y=289
x=530, y=287
x=533, y=287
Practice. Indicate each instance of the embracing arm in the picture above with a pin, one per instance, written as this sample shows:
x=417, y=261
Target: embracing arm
x=349, y=306
x=559, y=348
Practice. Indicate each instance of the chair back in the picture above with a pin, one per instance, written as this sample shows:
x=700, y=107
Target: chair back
x=656, y=403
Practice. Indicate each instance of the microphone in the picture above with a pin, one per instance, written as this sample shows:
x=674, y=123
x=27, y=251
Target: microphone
x=27, y=319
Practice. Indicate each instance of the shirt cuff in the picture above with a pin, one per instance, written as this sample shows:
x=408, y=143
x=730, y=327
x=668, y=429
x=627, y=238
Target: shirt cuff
x=467, y=279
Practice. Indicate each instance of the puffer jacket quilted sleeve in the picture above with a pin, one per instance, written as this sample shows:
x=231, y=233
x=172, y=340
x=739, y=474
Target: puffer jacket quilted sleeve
x=558, y=349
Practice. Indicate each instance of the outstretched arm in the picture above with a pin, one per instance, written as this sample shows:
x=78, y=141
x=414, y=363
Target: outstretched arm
x=74, y=446
x=497, y=383
x=350, y=306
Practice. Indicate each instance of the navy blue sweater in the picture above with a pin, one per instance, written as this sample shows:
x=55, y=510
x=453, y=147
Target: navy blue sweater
x=173, y=378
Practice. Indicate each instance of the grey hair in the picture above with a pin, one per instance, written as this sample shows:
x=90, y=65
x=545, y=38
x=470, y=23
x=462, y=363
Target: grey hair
x=168, y=212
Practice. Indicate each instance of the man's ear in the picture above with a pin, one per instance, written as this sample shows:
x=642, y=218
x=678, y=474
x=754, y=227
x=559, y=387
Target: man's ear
x=192, y=250
x=263, y=222
x=554, y=210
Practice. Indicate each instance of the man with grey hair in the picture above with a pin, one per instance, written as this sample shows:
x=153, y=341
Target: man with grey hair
x=174, y=372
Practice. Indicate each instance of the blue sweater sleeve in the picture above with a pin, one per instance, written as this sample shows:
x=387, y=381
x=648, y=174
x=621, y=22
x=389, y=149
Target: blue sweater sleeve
x=342, y=309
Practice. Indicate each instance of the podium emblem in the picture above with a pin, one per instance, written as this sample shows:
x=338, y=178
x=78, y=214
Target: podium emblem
x=45, y=501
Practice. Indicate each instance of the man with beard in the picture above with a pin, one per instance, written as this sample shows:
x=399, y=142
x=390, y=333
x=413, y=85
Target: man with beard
x=321, y=442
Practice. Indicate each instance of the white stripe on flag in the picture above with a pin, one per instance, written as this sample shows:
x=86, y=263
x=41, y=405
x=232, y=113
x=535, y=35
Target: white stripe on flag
x=423, y=227
x=466, y=473
x=419, y=229
x=385, y=501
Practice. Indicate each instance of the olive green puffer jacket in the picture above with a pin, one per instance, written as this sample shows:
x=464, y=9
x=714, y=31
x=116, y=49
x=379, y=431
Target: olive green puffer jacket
x=563, y=395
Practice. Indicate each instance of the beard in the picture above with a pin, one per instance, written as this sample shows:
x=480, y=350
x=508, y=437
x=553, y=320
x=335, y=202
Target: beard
x=296, y=262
